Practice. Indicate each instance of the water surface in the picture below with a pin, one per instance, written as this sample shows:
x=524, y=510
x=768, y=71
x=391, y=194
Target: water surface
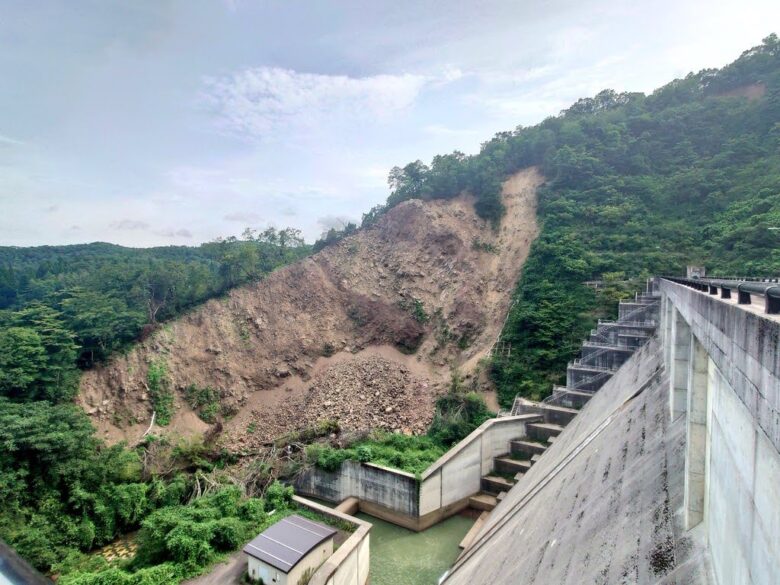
x=402, y=557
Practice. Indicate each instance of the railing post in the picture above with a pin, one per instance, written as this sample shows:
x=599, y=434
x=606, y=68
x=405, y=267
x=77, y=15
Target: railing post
x=772, y=306
x=743, y=297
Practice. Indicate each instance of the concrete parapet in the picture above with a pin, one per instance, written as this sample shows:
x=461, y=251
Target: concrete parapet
x=725, y=386
x=743, y=345
x=349, y=565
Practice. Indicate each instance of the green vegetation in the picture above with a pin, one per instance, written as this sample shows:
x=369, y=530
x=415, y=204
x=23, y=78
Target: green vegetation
x=108, y=296
x=481, y=246
x=334, y=235
x=160, y=391
x=412, y=454
x=180, y=541
x=636, y=184
x=457, y=414
x=417, y=309
x=61, y=490
x=204, y=401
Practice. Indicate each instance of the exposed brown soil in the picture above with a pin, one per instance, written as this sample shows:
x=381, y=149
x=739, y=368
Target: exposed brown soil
x=337, y=335
x=752, y=91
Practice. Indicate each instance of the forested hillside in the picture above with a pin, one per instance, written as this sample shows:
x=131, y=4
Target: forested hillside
x=636, y=185
x=107, y=295
x=61, y=489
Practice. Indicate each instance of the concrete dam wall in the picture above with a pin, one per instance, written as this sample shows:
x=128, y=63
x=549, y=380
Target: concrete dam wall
x=670, y=473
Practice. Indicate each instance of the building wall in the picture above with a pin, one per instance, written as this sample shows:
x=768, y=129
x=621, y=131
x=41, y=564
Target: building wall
x=725, y=361
x=273, y=576
x=270, y=575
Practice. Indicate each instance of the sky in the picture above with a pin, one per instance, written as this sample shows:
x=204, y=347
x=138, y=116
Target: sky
x=162, y=122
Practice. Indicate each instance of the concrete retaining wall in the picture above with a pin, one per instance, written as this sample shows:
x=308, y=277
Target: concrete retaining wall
x=725, y=362
x=392, y=489
x=457, y=475
x=349, y=565
x=442, y=490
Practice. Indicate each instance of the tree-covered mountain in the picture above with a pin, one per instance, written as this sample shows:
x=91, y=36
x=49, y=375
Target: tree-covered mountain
x=636, y=185
x=109, y=296
x=61, y=307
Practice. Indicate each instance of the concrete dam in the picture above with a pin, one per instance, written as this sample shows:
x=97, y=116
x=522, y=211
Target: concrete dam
x=657, y=463
x=670, y=473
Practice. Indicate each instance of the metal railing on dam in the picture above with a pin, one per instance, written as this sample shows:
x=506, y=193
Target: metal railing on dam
x=745, y=289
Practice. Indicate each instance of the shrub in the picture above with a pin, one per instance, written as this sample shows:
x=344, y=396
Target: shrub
x=160, y=392
x=227, y=534
x=278, y=496
x=364, y=453
x=204, y=401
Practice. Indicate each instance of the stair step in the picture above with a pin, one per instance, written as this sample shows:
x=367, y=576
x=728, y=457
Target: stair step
x=483, y=501
x=543, y=431
x=474, y=530
x=519, y=475
x=500, y=497
x=535, y=458
x=508, y=465
x=526, y=448
x=495, y=484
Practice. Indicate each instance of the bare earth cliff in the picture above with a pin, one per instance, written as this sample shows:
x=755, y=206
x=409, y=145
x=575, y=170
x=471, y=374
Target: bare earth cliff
x=365, y=332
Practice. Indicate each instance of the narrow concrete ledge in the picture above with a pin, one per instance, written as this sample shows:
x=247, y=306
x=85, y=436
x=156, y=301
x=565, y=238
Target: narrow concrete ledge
x=474, y=436
x=349, y=565
x=473, y=531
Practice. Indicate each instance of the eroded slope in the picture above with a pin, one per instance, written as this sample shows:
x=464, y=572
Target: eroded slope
x=365, y=332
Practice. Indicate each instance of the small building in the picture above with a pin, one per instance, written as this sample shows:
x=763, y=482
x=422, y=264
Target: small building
x=284, y=552
x=695, y=271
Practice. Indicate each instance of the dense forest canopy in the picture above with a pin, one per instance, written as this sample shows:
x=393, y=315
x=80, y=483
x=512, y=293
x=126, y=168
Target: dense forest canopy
x=108, y=296
x=636, y=185
x=61, y=489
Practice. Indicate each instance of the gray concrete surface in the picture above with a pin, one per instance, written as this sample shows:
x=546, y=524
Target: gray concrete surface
x=604, y=504
x=669, y=474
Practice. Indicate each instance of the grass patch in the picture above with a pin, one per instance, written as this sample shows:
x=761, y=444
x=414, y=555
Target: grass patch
x=411, y=454
x=160, y=391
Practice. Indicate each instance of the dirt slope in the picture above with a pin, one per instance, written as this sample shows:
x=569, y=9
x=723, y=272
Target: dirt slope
x=365, y=332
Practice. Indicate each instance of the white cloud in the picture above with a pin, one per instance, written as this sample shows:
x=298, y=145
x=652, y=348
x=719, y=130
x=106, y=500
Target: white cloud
x=243, y=217
x=130, y=224
x=10, y=141
x=440, y=130
x=261, y=101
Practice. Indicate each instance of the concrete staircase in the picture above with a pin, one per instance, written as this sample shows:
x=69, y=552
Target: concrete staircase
x=610, y=345
x=508, y=469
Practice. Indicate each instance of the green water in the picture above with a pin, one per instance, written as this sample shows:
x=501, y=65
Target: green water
x=403, y=557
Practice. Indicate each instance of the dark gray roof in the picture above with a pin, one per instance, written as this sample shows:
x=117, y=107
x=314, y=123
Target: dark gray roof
x=288, y=541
